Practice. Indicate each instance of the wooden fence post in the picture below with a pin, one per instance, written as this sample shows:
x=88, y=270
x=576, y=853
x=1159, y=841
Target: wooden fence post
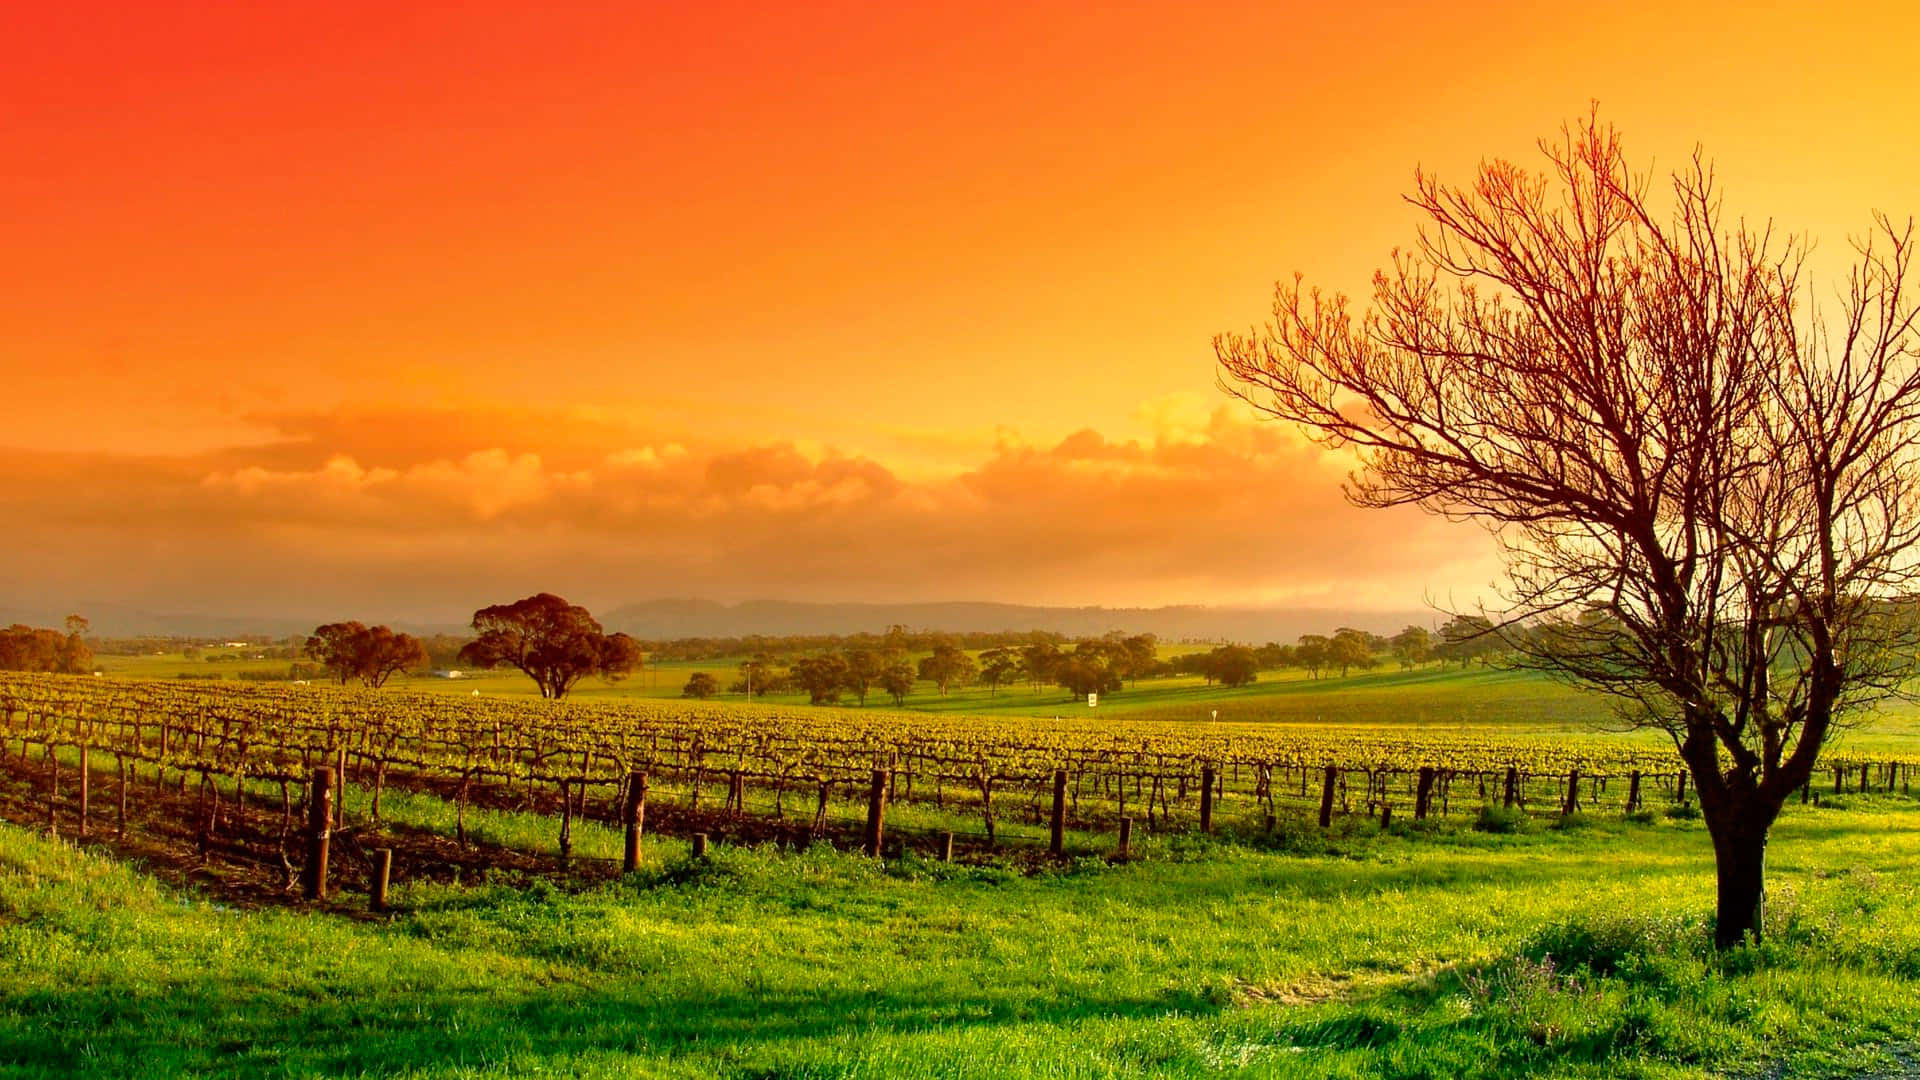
x=1681, y=787
x=946, y=847
x=1573, y=792
x=319, y=831
x=382, y=873
x=1206, y=798
x=340, y=788
x=876, y=812
x=1512, y=795
x=1326, y=796
x=1057, y=842
x=1386, y=814
x=1126, y=837
x=1423, y=798
x=699, y=845
x=635, y=819
x=566, y=819
x=1633, y=792
x=1839, y=779
x=86, y=770
x=53, y=792
x=120, y=823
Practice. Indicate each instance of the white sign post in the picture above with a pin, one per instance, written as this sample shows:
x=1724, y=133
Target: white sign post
x=1093, y=699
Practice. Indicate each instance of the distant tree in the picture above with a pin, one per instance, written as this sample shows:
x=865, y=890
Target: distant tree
x=26, y=648
x=700, y=685
x=1466, y=638
x=1412, y=646
x=336, y=646
x=999, y=666
x=1314, y=652
x=385, y=652
x=1082, y=673
x=552, y=642
x=75, y=657
x=1349, y=649
x=1142, y=651
x=948, y=666
x=372, y=654
x=1273, y=656
x=760, y=676
x=863, y=670
x=897, y=677
x=1233, y=665
x=822, y=677
x=1037, y=659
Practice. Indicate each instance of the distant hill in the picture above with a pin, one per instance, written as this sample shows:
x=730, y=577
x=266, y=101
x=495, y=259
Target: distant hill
x=115, y=621
x=661, y=620
x=664, y=620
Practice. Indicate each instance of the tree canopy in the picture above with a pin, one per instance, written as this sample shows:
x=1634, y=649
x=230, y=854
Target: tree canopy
x=552, y=642
x=372, y=654
x=27, y=648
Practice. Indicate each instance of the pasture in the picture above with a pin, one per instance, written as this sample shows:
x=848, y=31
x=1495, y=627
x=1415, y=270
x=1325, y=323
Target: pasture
x=1562, y=952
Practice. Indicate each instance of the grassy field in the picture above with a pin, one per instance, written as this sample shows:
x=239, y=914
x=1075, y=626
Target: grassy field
x=1429, y=950
x=1576, y=952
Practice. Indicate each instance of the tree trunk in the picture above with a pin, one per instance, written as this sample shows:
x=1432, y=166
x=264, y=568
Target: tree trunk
x=1740, y=858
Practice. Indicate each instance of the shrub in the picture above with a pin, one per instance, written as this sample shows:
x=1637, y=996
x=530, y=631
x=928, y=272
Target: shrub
x=1603, y=945
x=1501, y=819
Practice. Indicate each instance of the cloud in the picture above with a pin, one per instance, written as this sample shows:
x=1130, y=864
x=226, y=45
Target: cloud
x=437, y=513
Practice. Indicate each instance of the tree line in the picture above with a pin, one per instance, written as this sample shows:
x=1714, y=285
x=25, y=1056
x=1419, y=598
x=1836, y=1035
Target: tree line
x=896, y=638
x=557, y=644
x=28, y=648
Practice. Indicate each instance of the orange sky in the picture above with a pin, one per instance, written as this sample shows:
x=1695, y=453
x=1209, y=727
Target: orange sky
x=375, y=310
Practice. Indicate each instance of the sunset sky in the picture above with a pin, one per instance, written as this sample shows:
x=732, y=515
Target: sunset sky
x=391, y=310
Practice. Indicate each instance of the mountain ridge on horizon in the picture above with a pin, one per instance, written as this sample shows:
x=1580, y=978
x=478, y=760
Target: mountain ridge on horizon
x=667, y=618
x=677, y=617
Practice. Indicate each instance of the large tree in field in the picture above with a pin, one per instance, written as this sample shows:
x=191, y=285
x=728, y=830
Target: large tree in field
x=948, y=666
x=1412, y=646
x=998, y=667
x=552, y=642
x=1704, y=485
x=863, y=670
x=372, y=654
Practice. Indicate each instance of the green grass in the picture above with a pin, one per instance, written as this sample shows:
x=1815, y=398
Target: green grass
x=1453, y=953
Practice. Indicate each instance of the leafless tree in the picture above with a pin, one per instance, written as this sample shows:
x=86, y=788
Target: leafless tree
x=1704, y=487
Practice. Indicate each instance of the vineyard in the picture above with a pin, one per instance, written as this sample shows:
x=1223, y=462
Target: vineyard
x=211, y=753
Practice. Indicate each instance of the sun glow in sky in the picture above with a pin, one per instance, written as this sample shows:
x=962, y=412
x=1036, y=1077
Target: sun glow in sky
x=385, y=311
